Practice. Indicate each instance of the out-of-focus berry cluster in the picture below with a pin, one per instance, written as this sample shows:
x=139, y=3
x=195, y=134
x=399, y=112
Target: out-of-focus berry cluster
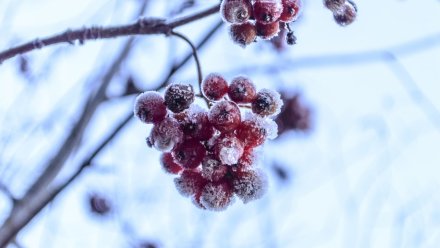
x=344, y=11
x=250, y=19
x=212, y=150
x=295, y=115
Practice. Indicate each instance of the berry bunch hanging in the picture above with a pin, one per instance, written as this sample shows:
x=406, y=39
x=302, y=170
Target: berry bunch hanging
x=344, y=11
x=212, y=150
x=250, y=19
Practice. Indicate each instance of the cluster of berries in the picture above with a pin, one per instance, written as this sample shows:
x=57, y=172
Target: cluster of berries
x=262, y=18
x=344, y=11
x=212, y=150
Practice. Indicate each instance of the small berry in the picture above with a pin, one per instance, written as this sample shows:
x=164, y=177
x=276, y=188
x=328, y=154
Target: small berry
x=242, y=90
x=346, y=14
x=291, y=10
x=212, y=169
x=252, y=132
x=249, y=185
x=267, y=103
x=189, y=183
x=267, y=31
x=228, y=149
x=99, y=204
x=225, y=116
x=189, y=154
x=179, y=97
x=236, y=11
x=214, y=86
x=248, y=159
x=195, y=124
x=168, y=164
x=291, y=38
x=243, y=34
x=149, y=107
x=333, y=5
x=216, y=196
x=267, y=11
x=166, y=135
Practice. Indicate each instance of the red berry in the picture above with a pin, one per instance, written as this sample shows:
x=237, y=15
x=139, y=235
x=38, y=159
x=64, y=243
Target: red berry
x=252, y=132
x=268, y=31
x=149, y=107
x=247, y=160
x=242, y=90
x=214, y=86
x=291, y=10
x=189, y=183
x=216, y=196
x=225, y=116
x=168, y=164
x=228, y=149
x=333, y=5
x=267, y=103
x=212, y=169
x=166, y=135
x=346, y=14
x=189, y=154
x=249, y=185
x=195, y=124
x=243, y=34
x=236, y=11
x=179, y=97
x=267, y=11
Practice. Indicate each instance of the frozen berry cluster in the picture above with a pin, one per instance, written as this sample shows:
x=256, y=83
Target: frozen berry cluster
x=250, y=19
x=344, y=11
x=212, y=150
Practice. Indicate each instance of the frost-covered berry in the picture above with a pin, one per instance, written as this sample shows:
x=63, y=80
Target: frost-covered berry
x=228, y=149
x=243, y=34
x=333, y=5
x=242, y=90
x=212, y=169
x=236, y=11
x=267, y=11
x=166, y=135
x=149, y=107
x=168, y=164
x=189, y=154
x=189, y=183
x=252, y=132
x=225, y=116
x=214, y=86
x=267, y=103
x=194, y=123
x=250, y=185
x=267, y=31
x=216, y=196
x=346, y=14
x=179, y=97
x=248, y=159
x=291, y=10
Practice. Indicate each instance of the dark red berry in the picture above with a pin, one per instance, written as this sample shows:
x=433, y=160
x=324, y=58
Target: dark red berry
x=168, y=164
x=149, y=107
x=236, y=11
x=166, y=135
x=346, y=14
x=252, y=132
x=225, y=116
x=99, y=204
x=291, y=10
x=267, y=103
x=267, y=31
x=333, y=5
x=228, y=149
x=267, y=11
x=243, y=34
x=189, y=154
x=249, y=185
x=189, y=182
x=216, y=196
x=195, y=124
x=242, y=90
x=212, y=169
x=214, y=86
x=179, y=97
x=247, y=160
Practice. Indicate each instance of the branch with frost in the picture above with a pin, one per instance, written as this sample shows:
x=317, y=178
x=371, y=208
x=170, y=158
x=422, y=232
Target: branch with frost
x=144, y=26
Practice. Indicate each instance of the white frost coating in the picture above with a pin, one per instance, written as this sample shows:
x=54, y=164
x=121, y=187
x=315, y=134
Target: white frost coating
x=271, y=128
x=216, y=197
x=230, y=155
x=252, y=185
x=276, y=97
x=239, y=14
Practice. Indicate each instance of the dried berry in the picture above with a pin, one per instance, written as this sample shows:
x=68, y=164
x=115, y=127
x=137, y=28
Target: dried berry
x=214, y=86
x=243, y=34
x=242, y=90
x=149, y=107
x=179, y=97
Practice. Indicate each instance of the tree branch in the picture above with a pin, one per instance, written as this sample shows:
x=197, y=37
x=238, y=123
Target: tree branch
x=144, y=26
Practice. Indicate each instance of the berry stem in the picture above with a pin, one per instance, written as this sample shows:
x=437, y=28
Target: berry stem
x=196, y=58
